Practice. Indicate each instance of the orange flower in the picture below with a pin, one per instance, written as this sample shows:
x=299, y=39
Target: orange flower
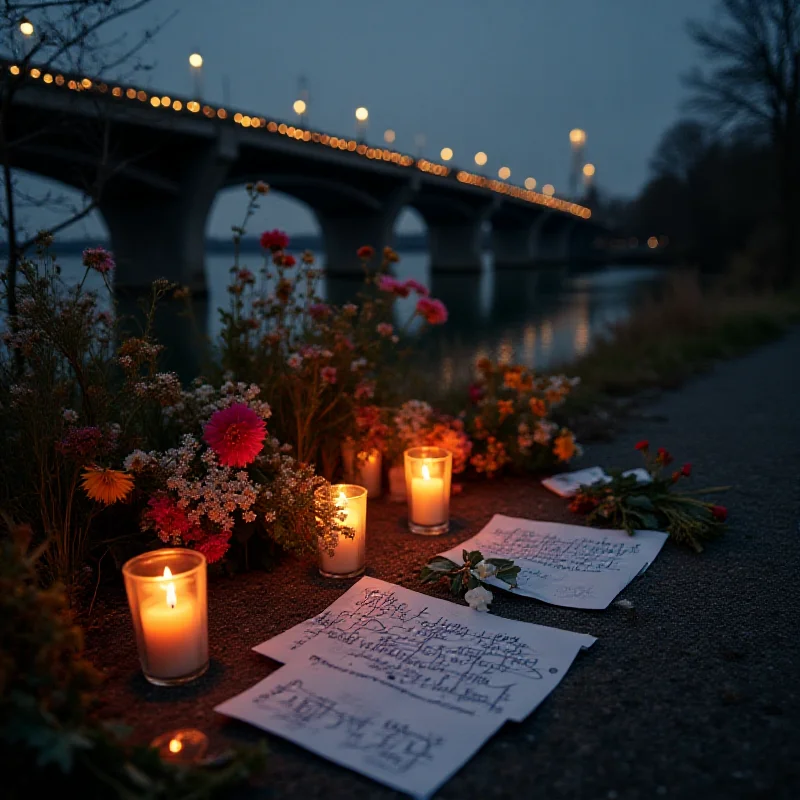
x=538, y=407
x=106, y=485
x=564, y=447
x=512, y=379
x=554, y=395
x=505, y=408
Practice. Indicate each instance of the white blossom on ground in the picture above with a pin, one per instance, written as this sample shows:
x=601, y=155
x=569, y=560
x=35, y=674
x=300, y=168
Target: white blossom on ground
x=479, y=598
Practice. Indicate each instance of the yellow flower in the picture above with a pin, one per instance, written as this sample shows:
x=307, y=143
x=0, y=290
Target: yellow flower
x=564, y=447
x=505, y=408
x=538, y=407
x=106, y=485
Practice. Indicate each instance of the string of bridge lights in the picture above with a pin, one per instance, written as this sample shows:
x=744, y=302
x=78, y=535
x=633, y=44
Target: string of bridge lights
x=360, y=148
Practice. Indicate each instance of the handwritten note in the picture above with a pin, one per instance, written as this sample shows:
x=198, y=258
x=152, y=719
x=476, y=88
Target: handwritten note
x=406, y=744
x=440, y=654
x=566, y=565
x=566, y=484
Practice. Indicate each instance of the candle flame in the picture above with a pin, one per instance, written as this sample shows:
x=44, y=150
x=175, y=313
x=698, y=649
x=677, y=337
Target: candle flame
x=341, y=500
x=426, y=473
x=172, y=598
x=175, y=746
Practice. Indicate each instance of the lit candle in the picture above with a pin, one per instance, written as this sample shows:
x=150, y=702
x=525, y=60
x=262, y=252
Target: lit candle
x=427, y=499
x=428, y=473
x=169, y=630
x=168, y=605
x=349, y=555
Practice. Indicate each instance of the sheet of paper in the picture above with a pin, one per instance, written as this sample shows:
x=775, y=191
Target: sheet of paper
x=407, y=744
x=566, y=484
x=424, y=648
x=565, y=565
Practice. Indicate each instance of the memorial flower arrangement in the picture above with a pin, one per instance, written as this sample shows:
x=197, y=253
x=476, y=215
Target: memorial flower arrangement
x=228, y=479
x=510, y=419
x=627, y=503
x=467, y=580
x=319, y=363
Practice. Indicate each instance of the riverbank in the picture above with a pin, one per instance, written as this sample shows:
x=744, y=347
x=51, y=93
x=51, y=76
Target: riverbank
x=689, y=692
x=667, y=340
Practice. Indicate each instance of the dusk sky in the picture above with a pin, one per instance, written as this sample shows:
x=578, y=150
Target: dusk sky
x=510, y=77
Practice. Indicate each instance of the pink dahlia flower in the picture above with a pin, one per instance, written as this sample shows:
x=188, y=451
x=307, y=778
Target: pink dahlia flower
x=98, y=259
x=433, y=311
x=236, y=434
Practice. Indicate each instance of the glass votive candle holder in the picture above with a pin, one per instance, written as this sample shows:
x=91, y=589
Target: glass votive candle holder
x=350, y=554
x=167, y=598
x=429, y=471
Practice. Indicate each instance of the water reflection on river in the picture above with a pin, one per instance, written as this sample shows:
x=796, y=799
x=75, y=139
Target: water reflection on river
x=541, y=318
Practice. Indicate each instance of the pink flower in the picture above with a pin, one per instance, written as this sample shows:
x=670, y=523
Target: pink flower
x=274, y=240
x=236, y=434
x=386, y=283
x=328, y=374
x=85, y=443
x=385, y=329
x=98, y=259
x=245, y=276
x=214, y=545
x=476, y=393
x=416, y=286
x=433, y=311
x=319, y=311
x=365, y=390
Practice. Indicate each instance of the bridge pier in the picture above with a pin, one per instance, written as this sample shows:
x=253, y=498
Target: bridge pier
x=159, y=231
x=344, y=234
x=514, y=240
x=552, y=239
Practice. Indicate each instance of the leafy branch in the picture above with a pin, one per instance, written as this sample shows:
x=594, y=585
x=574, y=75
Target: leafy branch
x=474, y=572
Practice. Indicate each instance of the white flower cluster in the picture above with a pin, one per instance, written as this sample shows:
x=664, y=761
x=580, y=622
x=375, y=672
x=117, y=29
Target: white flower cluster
x=197, y=404
x=412, y=418
x=164, y=387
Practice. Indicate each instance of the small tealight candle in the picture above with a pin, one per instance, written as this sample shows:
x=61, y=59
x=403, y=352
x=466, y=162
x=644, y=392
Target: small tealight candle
x=167, y=598
x=364, y=468
x=428, y=475
x=349, y=556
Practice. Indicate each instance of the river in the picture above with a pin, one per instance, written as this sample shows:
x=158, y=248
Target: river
x=540, y=318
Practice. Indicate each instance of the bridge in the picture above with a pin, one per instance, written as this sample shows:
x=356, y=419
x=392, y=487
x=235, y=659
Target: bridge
x=166, y=158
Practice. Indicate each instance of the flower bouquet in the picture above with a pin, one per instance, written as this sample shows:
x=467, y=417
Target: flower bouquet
x=510, y=419
x=625, y=502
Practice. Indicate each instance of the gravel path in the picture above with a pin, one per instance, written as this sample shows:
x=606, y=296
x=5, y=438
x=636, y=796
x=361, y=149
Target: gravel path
x=693, y=693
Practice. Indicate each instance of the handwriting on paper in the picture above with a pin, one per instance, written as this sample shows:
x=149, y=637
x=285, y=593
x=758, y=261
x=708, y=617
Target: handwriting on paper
x=432, y=650
x=568, y=565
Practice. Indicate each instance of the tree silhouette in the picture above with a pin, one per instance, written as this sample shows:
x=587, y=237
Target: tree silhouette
x=753, y=79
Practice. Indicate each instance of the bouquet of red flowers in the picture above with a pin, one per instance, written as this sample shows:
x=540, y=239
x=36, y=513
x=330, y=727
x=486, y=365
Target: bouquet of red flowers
x=629, y=503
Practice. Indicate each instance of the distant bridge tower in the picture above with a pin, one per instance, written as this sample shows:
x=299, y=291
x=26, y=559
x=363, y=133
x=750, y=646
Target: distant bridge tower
x=577, y=140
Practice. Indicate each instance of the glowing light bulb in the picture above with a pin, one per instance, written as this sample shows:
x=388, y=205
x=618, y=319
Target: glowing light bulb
x=299, y=107
x=446, y=154
x=175, y=746
x=577, y=136
x=504, y=173
x=480, y=158
x=530, y=183
x=389, y=136
x=362, y=114
x=196, y=60
x=548, y=189
x=26, y=27
x=588, y=170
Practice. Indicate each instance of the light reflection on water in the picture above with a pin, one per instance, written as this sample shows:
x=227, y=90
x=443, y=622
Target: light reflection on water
x=539, y=318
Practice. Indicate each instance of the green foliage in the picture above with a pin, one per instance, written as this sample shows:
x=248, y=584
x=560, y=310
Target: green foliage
x=471, y=574
x=629, y=504
x=47, y=735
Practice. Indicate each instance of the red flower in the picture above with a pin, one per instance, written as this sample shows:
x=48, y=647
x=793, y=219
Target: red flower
x=643, y=445
x=214, y=546
x=98, y=259
x=236, y=434
x=583, y=504
x=664, y=457
x=433, y=311
x=365, y=252
x=388, y=284
x=274, y=240
x=319, y=311
x=686, y=470
x=476, y=393
x=720, y=513
x=288, y=260
x=416, y=286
